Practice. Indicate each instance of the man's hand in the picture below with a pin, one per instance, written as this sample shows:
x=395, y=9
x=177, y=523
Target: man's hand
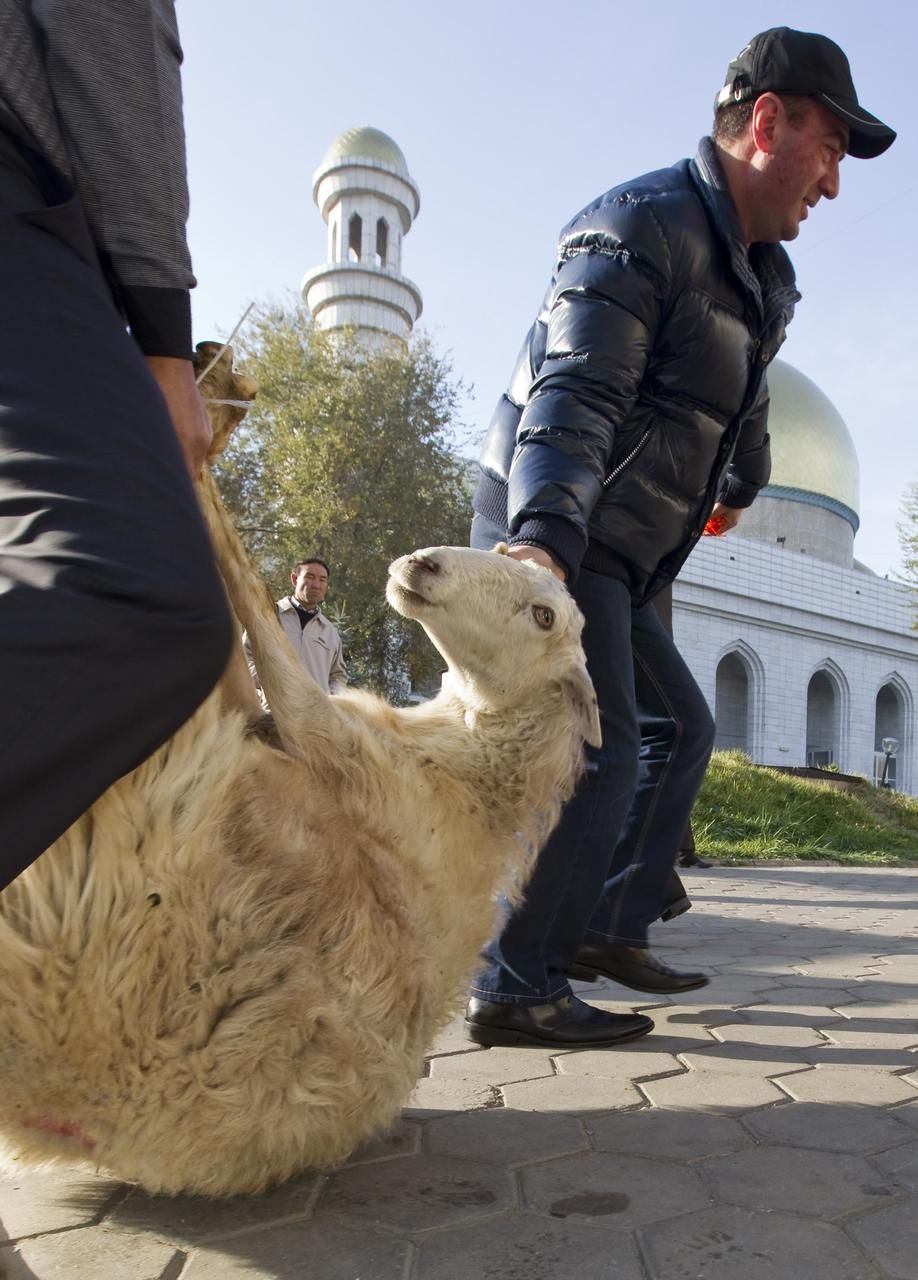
x=175, y=379
x=721, y=520
x=539, y=556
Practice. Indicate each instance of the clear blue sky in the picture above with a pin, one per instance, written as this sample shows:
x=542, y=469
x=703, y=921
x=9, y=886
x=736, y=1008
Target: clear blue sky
x=512, y=114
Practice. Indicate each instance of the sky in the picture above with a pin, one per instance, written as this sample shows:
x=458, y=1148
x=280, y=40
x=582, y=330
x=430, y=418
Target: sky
x=514, y=114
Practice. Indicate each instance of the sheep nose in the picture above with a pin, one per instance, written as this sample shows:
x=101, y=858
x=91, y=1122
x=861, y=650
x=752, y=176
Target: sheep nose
x=425, y=562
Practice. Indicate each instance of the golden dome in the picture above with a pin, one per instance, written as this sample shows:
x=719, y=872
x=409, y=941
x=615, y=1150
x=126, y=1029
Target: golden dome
x=811, y=447
x=365, y=143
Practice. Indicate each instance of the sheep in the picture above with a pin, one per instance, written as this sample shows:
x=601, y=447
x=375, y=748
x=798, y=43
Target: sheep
x=228, y=970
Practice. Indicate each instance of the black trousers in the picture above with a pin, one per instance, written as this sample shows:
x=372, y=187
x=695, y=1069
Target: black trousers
x=113, y=622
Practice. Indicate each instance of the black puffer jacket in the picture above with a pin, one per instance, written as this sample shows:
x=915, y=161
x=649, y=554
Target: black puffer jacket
x=639, y=397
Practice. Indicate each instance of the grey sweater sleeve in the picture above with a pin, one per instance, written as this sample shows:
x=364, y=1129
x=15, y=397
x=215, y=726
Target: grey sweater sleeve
x=113, y=71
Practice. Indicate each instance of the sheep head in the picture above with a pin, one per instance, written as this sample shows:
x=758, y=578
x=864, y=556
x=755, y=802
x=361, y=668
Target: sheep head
x=505, y=627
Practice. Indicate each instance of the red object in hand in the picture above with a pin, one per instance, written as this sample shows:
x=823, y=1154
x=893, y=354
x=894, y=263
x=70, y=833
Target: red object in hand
x=715, y=527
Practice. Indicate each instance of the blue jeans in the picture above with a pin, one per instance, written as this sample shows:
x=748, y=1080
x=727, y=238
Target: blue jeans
x=602, y=874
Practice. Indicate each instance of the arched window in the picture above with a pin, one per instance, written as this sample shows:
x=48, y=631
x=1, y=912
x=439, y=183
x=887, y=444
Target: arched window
x=382, y=242
x=731, y=704
x=354, y=237
x=822, y=728
x=334, y=252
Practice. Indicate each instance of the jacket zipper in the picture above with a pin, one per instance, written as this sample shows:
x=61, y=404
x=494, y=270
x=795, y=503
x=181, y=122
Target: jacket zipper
x=627, y=460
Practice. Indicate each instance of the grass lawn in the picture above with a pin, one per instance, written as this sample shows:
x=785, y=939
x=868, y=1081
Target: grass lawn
x=748, y=812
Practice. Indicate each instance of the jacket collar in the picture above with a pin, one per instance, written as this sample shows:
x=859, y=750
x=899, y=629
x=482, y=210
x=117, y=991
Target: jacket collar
x=764, y=269
x=288, y=604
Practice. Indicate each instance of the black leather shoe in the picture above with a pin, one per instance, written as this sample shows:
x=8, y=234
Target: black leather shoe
x=688, y=858
x=567, y=1023
x=633, y=967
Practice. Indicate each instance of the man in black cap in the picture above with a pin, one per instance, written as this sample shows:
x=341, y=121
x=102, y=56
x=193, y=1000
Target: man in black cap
x=636, y=419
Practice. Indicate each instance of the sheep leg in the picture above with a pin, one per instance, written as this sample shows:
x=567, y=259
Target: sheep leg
x=301, y=710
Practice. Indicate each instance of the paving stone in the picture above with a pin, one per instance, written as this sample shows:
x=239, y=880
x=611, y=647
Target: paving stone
x=300, y=1252
x=501, y=1136
x=494, y=1066
x=771, y=965
x=831, y=1127
x=417, y=1193
x=774, y=1015
x=616, y=1191
x=527, y=1248
x=572, y=1094
x=90, y=1254
x=908, y=1113
x=789, y=996
x=900, y=1164
x=453, y=1039
x=726, y=1243
x=745, y=1059
x=793, y=1037
x=823, y=1184
x=440, y=1097
x=869, y=1034
x=834, y=1055
x=403, y=1139
x=734, y=991
x=842, y=967
x=849, y=1084
x=678, y=1027
x=884, y=1011
x=188, y=1219
x=712, y=1091
x=905, y=1005
x=668, y=1135
x=891, y=1237
x=627, y=1063
x=35, y=1200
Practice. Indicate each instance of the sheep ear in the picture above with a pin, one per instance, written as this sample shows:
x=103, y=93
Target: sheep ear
x=579, y=688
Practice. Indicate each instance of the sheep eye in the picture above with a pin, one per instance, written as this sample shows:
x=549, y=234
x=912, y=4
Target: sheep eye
x=544, y=616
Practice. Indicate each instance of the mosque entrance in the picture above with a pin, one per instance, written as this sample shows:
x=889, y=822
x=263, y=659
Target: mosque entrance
x=822, y=745
x=731, y=705
x=889, y=723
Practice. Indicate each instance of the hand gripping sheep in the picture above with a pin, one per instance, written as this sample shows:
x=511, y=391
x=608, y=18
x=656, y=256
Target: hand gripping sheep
x=230, y=968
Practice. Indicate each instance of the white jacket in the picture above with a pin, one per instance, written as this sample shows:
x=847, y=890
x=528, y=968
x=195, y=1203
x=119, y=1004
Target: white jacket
x=317, y=645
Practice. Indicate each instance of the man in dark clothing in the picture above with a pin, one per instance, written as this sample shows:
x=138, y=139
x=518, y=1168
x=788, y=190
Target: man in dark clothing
x=113, y=622
x=636, y=413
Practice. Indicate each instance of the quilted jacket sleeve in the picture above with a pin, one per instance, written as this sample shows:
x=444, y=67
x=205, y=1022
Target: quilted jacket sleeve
x=751, y=463
x=609, y=294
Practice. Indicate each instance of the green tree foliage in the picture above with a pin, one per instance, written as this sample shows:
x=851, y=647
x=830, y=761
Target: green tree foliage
x=347, y=456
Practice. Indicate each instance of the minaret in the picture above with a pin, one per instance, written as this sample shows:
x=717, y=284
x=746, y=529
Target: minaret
x=369, y=200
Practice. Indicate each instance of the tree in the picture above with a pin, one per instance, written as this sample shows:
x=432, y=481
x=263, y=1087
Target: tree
x=348, y=455
x=908, y=536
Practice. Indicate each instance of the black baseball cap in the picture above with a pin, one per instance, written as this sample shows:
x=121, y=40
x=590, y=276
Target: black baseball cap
x=800, y=62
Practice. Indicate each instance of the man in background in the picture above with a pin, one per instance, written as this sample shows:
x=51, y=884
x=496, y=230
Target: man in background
x=313, y=636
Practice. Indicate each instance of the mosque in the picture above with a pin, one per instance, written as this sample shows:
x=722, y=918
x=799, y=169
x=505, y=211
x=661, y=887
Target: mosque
x=806, y=656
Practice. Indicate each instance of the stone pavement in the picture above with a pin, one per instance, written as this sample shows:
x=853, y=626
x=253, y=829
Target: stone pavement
x=766, y=1131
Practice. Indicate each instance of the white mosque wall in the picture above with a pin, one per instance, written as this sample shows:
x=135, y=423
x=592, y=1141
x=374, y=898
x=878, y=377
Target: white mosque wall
x=788, y=616
x=804, y=526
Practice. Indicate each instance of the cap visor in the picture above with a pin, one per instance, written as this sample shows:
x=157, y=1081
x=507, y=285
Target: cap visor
x=868, y=136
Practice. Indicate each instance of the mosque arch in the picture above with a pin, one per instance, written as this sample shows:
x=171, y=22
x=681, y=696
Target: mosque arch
x=739, y=682
x=893, y=715
x=354, y=236
x=827, y=712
